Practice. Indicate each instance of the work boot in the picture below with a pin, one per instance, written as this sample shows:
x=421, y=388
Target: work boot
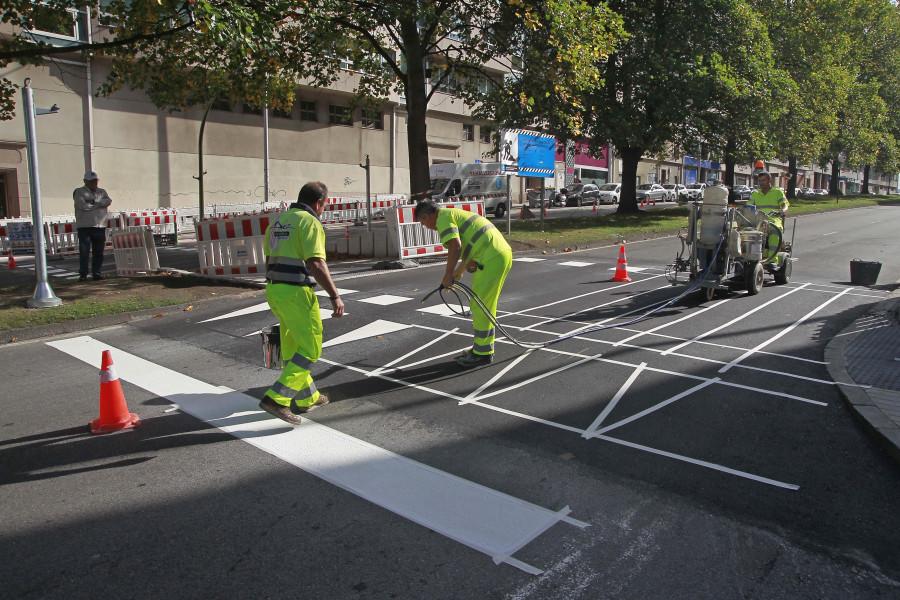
x=475, y=360
x=82, y=278
x=99, y=277
x=467, y=353
x=299, y=410
x=279, y=410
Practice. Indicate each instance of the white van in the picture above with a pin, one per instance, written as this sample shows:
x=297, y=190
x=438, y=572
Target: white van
x=470, y=181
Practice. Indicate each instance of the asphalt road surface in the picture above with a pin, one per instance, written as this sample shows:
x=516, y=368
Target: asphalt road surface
x=702, y=452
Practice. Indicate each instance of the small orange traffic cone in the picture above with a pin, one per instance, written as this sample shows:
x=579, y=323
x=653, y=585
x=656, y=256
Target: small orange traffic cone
x=621, y=267
x=114, y=414
x=594, y=209
x=545, y=211
x=12, y=261
x=642, y=204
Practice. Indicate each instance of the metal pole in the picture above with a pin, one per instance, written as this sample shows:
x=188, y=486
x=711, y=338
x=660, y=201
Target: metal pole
x=266, y=151
x=542, y=206
x=200, y=155
x=368, y=194
x=43, y=294
x=508, y=205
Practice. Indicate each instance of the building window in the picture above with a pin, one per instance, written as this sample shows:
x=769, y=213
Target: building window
x=468, y=132
x=249, y=109
x=283, y=114
x=339, y=115
x=308, y=111
x=372, y=119
x=222, y=104
x=68, y=23
x=484, y=135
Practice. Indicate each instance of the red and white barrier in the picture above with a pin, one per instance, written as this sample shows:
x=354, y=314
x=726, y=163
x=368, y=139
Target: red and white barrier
x=414, y=241
x=134, y=251
x=233, y=245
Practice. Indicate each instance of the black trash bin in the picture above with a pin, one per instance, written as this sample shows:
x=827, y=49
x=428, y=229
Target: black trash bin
x=864, y=272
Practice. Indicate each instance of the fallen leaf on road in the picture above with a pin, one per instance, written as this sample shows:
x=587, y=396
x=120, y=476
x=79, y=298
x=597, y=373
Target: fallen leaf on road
x=14, y=340
x=158, y=315
x=189, y=308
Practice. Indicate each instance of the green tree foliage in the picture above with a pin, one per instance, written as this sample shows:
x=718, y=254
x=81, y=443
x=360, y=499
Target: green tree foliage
x=663, y=85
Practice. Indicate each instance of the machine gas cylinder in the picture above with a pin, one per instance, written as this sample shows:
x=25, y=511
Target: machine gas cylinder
x=734, y=243
x=713, y=214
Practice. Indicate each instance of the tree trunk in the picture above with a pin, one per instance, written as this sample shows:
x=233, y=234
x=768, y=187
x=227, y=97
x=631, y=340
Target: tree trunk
x=730, y=147
x=835, y=178
x=416, y=107
x=630, y=159
x=865, y=187
x=792, y=181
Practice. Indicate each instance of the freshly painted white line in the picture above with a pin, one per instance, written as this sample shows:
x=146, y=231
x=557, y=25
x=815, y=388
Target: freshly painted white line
x=631, y=269
x=239, y=313
x=659, y=405
x=542, y=376
x=590, y=431
x=667, y=324
x=829, y=233
x=439, y=309
x=481, y=518
x=782, y=333
x=379, y=327
x=491, y=381
x=567, y=316
x=388, y=366
x=385, y=300
x=733, y=321
x=528, y=259
x=575, y=263
x=701, y=463
x=726, y=346
x=340, y=291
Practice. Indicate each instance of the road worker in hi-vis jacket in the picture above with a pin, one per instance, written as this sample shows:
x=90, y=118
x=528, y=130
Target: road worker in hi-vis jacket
x=475, y=242
x=295, y=256
x=773, y=201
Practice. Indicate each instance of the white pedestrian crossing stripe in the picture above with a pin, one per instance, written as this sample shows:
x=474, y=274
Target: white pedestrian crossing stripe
x=575, y=263
x=385, y=299
x=632, y=269
x=373, y=329
x=528, y=259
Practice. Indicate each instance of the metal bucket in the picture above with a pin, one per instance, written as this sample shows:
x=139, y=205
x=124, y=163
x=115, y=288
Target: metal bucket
x=271, y=346
x=864, y=272
x=752, y=245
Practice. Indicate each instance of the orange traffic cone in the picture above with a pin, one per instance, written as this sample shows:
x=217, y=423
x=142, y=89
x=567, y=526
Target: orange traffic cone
x=545, y=211
x=642, y=204
x=621, y=267
x=114, y=413
x=594, y=209
x=12, y=261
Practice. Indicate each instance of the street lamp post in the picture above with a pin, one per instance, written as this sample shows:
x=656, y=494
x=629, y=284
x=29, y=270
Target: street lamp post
x=43, y=294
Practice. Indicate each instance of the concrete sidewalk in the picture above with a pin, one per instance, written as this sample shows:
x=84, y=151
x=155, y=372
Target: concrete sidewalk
x=867, y=353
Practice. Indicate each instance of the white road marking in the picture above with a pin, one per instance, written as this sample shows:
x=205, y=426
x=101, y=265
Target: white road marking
x=240, y=313
x=385, y=300
x=659, y=405
x=439, y=309
x=528, y=259
x=575, y=263
x=590, y=431
x=829, y=233
x=474, y=515
x=375, y=328
x=388, y=366
x=503, y=372
x=668, y=323
x=340, y=291
x=732, y=322
x=632, y=269
x=701, y=463
x=567, y=316
x=782, y=333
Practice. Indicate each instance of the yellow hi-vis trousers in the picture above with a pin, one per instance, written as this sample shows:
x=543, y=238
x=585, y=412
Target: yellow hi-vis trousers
x=487, y=283
x=774, y=239
x=300, y=324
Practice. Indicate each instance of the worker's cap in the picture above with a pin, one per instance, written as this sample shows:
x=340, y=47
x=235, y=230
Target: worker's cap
x=90, y=176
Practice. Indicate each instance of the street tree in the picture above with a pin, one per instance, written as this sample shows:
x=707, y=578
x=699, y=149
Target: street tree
x=663, y=83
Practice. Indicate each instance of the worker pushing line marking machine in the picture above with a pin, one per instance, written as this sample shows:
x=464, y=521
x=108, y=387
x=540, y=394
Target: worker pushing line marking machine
x=735, y=247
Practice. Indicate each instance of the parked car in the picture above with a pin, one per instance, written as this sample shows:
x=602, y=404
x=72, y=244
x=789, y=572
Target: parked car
x=610, y=192
x=807, y=192
x=693, y=192
x=674, y=190
x=740, y=193
x=579, y=194
x=651, y=192
x=821, y=192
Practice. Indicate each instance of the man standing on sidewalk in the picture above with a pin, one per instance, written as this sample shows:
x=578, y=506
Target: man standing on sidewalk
x=91, y=217
x=295, y=256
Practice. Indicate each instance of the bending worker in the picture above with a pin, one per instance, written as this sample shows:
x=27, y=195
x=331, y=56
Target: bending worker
x=771, y=200
x=295, y=256
x=476, y=242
